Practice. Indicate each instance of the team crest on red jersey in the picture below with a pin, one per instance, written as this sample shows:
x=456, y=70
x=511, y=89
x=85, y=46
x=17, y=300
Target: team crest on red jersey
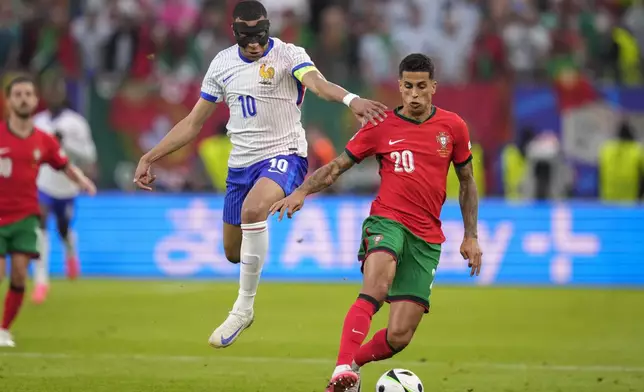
x=443, y=139
x=37, y=155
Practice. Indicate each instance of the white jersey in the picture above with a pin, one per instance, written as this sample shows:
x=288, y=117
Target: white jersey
x=264, y=98
x=76, y=142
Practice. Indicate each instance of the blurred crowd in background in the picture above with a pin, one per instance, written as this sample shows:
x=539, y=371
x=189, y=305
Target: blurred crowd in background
x=134, y=68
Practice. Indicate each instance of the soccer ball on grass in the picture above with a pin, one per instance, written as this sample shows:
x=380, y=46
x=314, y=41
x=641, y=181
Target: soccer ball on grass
x=399, y=380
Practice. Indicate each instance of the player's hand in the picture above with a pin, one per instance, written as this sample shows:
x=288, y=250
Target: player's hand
x=471, y=251
x=290, y=204
x=368, y=111
x=87, y=185
x=143, y=176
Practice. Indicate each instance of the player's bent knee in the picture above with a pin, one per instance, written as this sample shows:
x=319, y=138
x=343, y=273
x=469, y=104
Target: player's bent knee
x=399, y=338
x=254, y=214
x=379, y=272
x=19, y=268
x=377, y=289
x=18, y=277
x=19, y=282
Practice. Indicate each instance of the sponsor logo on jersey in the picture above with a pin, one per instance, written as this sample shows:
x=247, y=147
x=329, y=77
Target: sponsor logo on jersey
x=267, y=74
x=443, y=139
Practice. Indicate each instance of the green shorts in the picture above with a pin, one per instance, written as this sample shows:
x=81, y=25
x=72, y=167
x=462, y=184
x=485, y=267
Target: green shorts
x=20, y=237
x=417, y=259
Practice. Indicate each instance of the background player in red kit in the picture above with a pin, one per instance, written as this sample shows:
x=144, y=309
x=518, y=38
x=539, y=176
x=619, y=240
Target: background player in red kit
x=23, y=149
x=401, y=238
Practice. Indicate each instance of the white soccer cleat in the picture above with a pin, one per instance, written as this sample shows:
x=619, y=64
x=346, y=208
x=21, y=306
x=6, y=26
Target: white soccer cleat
x=6, y=340
x=345, y=378
x=228, y=332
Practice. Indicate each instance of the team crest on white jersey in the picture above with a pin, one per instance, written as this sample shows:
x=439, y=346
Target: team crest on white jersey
x=267, y=74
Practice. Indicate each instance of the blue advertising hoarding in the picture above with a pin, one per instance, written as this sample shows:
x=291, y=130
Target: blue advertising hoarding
x=180, y=236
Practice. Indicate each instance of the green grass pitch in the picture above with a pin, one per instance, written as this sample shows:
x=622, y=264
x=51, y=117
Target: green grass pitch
x=131, y=336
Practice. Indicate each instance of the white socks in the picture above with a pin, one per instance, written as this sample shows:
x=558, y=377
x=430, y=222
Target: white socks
x=41, y=266
x=253, y=253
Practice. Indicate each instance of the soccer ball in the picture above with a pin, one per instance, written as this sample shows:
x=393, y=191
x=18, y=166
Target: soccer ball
x=399, y=380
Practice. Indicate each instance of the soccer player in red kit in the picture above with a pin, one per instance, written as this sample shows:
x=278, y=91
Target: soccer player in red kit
x=23, y=149
x=402, y=237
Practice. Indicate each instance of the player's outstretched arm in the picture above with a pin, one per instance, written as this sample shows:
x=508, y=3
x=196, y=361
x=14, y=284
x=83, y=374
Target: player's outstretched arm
x=469, y=200
x=181, y=134
x=364, y=109
x=321, y=179
x=76, y=175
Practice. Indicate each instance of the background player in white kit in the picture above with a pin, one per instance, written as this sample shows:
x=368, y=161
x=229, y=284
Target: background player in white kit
x=262, y=80
x=56, y=193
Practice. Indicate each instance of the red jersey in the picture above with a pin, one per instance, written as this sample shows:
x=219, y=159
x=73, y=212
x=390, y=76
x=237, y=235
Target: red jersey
x=414, y=160
x=20, y=160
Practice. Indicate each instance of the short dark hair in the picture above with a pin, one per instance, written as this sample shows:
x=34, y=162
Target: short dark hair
x=17, y=80
x=249, y=10
x=416, y=62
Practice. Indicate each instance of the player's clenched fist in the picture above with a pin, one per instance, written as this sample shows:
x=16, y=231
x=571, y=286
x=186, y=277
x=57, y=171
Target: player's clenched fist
x=471, y=251
x=290, y=204
x=143, y=176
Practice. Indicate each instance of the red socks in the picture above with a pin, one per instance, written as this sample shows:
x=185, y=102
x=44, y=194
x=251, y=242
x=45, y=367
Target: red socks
x=376, y=349
x=356, y=327
x=12, y=304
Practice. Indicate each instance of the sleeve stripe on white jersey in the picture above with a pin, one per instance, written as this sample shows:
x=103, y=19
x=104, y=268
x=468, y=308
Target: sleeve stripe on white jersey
x=208, y=97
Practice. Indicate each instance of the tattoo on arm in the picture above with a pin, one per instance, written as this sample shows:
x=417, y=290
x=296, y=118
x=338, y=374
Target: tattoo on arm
x=468, y=199
x=325, y=176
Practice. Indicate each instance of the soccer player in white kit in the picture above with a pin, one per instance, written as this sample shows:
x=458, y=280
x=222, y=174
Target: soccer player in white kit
x=56, y=192
x=263, y=81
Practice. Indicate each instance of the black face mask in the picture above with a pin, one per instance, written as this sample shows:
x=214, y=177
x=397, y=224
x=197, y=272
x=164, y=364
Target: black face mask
x=246, y=35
